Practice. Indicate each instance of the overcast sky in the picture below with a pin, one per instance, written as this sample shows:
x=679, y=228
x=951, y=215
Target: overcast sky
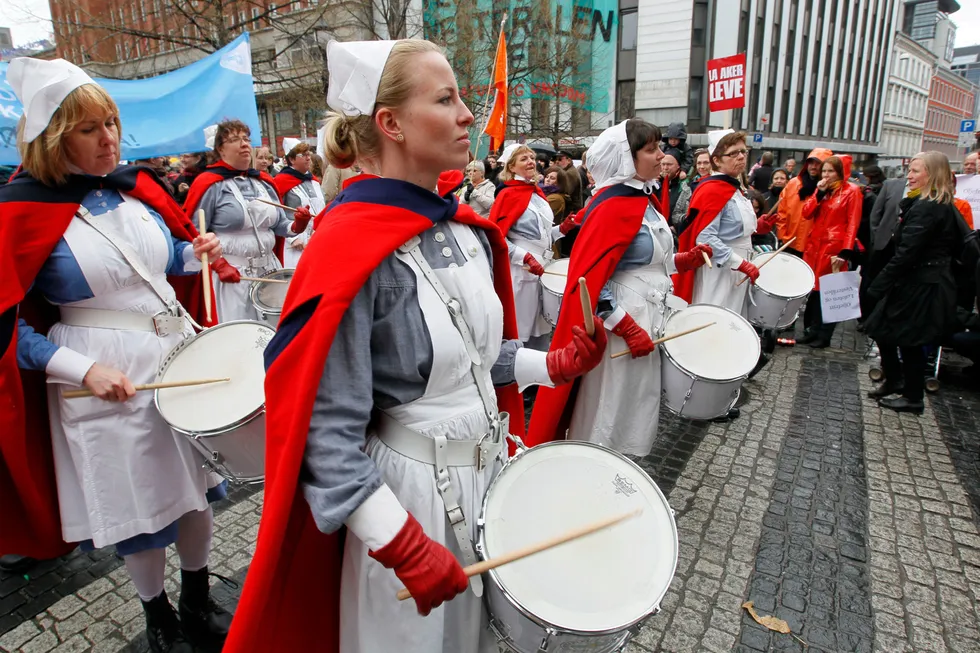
x=25, y=18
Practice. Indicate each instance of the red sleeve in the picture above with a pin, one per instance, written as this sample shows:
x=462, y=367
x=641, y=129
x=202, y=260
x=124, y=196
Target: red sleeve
x=810, y=207
x=854, y=208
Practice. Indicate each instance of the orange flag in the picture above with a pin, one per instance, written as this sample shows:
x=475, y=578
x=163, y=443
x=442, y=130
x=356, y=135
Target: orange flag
x=496, y=127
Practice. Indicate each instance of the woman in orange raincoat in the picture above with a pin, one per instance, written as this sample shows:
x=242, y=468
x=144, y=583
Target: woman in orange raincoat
x=835, y=213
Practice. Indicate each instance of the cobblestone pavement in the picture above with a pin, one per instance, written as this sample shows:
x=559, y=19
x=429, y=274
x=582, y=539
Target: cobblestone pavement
x=857, y=526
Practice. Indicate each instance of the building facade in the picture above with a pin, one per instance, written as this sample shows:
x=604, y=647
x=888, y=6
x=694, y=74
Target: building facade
x=816, y=70
x=966, y=62
x=951, y=100
x=906, y=104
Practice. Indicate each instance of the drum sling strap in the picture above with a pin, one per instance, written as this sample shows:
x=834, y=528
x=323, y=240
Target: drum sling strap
x=166, y=322
x=260, y=192
x=447, y=452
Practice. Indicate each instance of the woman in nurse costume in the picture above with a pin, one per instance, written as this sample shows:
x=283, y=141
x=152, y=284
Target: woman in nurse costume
x=297, y=187
x=97, y=240
x=721, y=216
x=235, y=200
x=525, y=218
x=388, y=381
x=625, y=251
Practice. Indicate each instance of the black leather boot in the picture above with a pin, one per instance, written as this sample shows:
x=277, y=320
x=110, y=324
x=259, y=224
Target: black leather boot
x=205, y=623
x=162, y=627
x=885, y=389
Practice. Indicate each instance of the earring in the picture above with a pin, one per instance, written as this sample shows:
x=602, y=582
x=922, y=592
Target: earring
x=400, y=138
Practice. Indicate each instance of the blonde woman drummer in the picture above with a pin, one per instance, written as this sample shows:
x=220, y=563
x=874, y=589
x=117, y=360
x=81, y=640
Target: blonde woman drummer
x=524, y=216
x=298, y=187
x=98, y=240
x=236, y=203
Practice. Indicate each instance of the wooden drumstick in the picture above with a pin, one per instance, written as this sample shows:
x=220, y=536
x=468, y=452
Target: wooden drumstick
x=263, y=280
x=669, y=337
x=583, y=293
x=557, y=274
x=761, y=265
x=281, y=206
x=514, y=556
x=76, y=394
x=205, y=268
x=707, y=259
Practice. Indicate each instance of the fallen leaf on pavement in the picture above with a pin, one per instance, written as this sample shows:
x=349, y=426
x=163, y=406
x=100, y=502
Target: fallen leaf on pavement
x=771, y=622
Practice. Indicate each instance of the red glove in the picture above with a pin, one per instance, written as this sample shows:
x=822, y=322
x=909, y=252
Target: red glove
x=428, y=569
x=579, y=356
x=301, y=218
x=227, y=272
x=765, y=224
x=567, y=225
x=638, y=340
x=748, y=269
x=692, y=259
x=532, y=264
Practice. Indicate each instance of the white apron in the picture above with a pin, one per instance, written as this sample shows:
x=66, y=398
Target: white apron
x=250, y=250
x=120, y=470
x=527, y=286
x=297, y=244
x=716, y=286
x=618, y=404
x=371, y=621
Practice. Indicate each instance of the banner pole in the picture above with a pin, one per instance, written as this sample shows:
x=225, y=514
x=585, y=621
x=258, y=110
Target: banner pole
x=486, y=102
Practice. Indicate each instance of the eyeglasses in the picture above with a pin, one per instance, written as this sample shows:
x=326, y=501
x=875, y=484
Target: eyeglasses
x=243, y=140
x=742, y=152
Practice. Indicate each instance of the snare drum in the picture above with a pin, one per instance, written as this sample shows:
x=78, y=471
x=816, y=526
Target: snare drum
x=268, y=298
x=780, y=291
x=552, y=289
x=225, y=421
x=702, y=372
x=590, y=594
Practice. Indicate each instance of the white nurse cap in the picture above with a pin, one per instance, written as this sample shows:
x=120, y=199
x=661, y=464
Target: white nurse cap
x=355, y=71
x=41, y=86
x=715, y=137
x=289, y=143
x=610, y=159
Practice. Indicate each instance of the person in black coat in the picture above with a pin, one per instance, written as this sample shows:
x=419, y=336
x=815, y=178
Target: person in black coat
x=915, y=292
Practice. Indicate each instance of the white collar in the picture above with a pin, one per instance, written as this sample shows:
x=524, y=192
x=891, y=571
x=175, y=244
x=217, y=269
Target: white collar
x=645, y=186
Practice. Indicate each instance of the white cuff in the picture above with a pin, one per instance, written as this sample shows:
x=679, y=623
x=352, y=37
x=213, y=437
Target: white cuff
x=517, y=254
x=556, y=233
x=191, y=264
x=735, y=260
x=68, y=366
x=377, y=521
x=531, y=368
x=614, y=318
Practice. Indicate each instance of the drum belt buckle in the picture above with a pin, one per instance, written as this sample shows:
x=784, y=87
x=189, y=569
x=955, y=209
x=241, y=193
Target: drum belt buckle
x=165, y=323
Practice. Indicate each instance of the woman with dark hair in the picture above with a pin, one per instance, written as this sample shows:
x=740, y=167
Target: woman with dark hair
x=235, y=200
x=625, y=251
x=555, y=189
x=98, y=240
x=193, y=164
x=915, y=291
x=776, y=186
x=835, y=212
x=702, y=165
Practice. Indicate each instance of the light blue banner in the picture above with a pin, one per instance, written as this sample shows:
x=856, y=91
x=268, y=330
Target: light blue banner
x=167, y=114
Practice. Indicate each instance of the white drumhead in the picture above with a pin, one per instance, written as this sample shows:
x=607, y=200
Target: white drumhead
x=722, y=352
x=554, y=282
x=602, y=581
x=233, y=350
x=272, y=296
x=784, y=276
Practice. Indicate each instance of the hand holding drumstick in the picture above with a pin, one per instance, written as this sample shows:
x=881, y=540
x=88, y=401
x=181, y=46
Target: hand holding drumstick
x=585, y=349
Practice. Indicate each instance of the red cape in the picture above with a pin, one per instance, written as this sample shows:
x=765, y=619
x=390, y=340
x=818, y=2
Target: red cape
x=709, y=198
x=33, y=218
x=218, y=172
x=609, y=224
x=343, y=186
x=511, y=202
x=286, y=180
x=290, y=601
x=450, y=181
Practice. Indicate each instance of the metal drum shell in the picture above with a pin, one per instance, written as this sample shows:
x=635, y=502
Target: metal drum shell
x=269, y=314
x=770, y=310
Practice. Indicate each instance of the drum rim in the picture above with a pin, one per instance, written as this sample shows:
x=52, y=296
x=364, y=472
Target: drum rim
x=666, y=350
x=254, y=288
x=169, y=359
x=481, y=548
x=759, y=289
x=542, y=283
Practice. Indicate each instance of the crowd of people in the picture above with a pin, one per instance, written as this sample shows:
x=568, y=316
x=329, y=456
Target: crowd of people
x=413, y=324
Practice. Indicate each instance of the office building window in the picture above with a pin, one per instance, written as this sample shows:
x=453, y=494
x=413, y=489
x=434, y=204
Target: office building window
x=625, y=100
x=627, y=30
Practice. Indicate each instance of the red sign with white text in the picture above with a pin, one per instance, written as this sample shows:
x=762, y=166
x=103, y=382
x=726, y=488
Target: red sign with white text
x=726, y=83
